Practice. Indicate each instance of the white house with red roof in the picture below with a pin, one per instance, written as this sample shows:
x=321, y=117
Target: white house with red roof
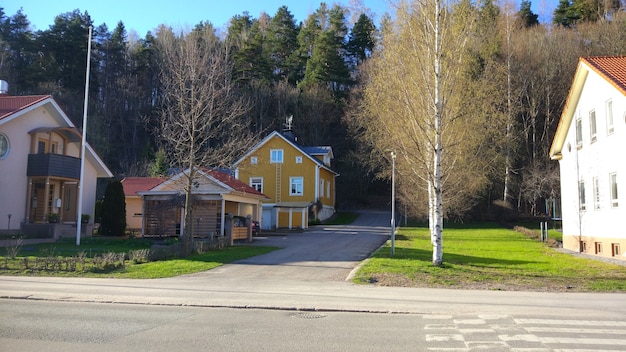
x=216, y=195
x=40, y=165
x=589, y=142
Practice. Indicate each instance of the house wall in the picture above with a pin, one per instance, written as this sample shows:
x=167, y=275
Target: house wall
x=13, y=180
x=134, y=205
x=312, y=175
x=600, y=222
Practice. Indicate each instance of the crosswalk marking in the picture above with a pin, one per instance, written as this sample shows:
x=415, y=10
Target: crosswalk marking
x=506, y=333
x=573, y=330
x=570, y=322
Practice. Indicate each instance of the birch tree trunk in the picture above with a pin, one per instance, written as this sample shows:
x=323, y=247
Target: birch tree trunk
x=437, y=194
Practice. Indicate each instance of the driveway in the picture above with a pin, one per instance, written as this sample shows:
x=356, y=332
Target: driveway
x=322, y=253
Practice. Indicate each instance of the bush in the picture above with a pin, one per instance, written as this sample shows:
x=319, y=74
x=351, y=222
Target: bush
x=113, y=211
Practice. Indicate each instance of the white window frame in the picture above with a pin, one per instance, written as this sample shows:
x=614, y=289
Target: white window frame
x=276, y=156
x=328, y=189
x=610, y=127
x=596, y=193
x=296, y=186
x=299, y=159
x=581, y=195
x=579, y=132
x=613, y=190
x=593, y=126
x=257, y=183
x=254, y=160
x=321, y=191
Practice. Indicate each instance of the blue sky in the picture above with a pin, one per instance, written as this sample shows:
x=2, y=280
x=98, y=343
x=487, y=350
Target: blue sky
x=143, y=16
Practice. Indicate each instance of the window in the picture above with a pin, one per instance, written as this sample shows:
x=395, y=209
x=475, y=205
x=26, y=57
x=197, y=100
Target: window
x=609, y=117
x=613, y=184
x=581, y=195
x=297, y=184
x=257, y=183
x=298, y=160
x=4, y=146
x=579, y=131
x=253, y=160
x=321, y=190
x=43, y=145
x=592, y=126
x=583, y=246
x=276, y=156
x=615, y=249
x=328, y=189
x=598, y=247
x=596, y=193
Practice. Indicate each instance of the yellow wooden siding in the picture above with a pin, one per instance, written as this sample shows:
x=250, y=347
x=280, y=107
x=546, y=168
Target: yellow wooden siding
x=328, y=176
x=289, y=168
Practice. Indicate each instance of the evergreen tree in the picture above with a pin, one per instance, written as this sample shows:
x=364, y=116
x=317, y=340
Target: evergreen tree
x=18, y=53
x=362, y=39
x=326, y=64
x=113, y=210
x=282, y=38
x=246, y=39
x=565, y=15
x=526, y=15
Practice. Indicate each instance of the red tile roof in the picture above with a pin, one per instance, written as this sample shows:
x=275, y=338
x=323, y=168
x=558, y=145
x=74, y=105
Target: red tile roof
x=612, y=68
x=232, y=182
x=10, y=104
x=132, y=185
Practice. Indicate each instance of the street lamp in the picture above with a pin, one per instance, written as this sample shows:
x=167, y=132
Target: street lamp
x=393, y=202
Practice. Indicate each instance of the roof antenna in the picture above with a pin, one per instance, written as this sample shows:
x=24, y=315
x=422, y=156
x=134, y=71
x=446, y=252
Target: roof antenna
x=288, y=123
x=287, y=129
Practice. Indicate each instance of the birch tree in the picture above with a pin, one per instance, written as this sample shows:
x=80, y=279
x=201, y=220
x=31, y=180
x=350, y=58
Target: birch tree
x=414, y=105
x=201, y=122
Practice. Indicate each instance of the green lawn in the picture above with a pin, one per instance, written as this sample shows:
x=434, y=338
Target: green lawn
x=64, y=258
x=486, y=256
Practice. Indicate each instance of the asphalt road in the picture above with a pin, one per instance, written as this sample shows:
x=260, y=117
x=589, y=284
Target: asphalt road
x=321, y=254
x=297, y=298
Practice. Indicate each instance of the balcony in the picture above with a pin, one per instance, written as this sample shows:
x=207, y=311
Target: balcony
x=54, y=165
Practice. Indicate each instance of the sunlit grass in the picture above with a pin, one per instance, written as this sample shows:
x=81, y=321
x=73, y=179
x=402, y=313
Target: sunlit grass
x=60, y=250
x=487, y=257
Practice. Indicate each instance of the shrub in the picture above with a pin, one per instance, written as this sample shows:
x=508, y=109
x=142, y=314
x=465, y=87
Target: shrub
x=113, y=211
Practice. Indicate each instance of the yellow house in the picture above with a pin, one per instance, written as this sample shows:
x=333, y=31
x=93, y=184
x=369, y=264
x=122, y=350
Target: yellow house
x=299, y=180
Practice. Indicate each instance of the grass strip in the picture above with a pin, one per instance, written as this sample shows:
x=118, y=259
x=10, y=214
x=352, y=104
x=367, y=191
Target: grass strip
x=486, y=256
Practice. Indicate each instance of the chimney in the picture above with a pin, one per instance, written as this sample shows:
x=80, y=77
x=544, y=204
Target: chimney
x=4, y=87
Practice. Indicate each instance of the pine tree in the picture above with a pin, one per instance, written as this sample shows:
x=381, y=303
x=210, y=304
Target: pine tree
x=362, y=39
x=526, y=15
x=282, y=37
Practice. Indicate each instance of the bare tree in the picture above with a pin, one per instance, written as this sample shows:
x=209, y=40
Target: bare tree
x=201, y=122
x=414, y=105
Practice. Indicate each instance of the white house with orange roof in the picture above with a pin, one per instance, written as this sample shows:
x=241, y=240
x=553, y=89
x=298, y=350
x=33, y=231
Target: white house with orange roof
x=589, y=142
x=40, y=166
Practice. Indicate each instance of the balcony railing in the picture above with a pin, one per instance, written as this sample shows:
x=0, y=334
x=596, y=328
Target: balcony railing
x=55, y=165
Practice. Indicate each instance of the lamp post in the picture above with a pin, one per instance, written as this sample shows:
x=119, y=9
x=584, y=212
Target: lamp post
x=393, y=202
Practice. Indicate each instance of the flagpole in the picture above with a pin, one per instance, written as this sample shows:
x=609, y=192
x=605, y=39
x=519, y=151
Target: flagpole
x=82, y=146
